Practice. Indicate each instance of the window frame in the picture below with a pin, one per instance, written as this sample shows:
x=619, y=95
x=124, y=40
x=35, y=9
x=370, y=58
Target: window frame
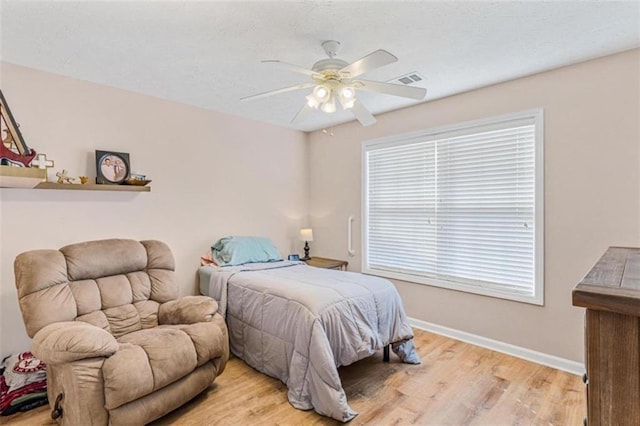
x=537, y=114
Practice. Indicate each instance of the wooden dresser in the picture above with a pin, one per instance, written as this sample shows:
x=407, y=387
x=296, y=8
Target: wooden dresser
x=611, y=294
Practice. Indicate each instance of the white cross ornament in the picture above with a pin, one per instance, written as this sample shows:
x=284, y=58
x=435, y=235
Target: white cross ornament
x=42, y=162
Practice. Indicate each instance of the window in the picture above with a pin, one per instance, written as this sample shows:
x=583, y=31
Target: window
x=458, y=207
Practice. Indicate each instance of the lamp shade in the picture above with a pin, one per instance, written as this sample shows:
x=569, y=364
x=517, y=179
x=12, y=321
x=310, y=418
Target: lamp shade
x=306, y=234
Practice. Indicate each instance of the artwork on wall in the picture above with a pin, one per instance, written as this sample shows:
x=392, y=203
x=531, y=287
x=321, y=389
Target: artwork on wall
x=112, y=167
x=12, y=139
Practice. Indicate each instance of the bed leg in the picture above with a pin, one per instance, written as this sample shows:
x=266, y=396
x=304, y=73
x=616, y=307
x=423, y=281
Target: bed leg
x=385, y=354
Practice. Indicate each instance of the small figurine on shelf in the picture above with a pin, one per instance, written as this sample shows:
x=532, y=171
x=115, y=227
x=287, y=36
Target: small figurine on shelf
x=83, y=179
x=63, y=178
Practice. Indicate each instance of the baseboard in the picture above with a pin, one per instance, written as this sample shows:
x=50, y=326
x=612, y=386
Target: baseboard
x=507, y=348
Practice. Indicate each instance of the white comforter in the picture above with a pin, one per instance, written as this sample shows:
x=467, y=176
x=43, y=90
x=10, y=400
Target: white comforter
x=299, y=324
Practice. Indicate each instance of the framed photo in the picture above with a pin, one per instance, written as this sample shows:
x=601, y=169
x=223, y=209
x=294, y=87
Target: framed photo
x=112, y=167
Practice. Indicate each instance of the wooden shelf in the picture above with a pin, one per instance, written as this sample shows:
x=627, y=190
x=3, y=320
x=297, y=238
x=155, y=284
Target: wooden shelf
x=33, y=177
x=21, y=177
x=92, y=187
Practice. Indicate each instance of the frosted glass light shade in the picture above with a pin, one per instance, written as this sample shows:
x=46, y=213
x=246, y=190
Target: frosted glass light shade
x=312, y=101
x=306, y=234
x=329, y=106
x=321, y=93
x=347, y=92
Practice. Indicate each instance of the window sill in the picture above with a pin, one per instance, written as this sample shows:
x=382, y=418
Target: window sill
x=450, y=285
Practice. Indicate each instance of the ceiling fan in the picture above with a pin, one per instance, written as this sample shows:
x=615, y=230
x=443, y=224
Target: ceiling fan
x=335, y=81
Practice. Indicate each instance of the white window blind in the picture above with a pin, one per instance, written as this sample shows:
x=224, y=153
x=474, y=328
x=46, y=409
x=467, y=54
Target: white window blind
x=458, y=208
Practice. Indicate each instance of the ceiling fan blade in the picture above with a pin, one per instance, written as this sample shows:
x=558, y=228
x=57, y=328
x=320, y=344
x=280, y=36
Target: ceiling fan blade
x=278, y=91
x=362, y=114
x=417, y=93
x=302, y=113
x=292, y=67
x=370, y=62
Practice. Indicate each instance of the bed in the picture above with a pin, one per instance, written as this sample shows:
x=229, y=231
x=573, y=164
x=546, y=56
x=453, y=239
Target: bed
x=299, y=324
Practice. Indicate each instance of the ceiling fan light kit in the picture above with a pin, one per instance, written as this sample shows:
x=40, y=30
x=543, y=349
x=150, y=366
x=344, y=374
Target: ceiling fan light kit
x=333, y=81
x=324, y=97
x=329, y=106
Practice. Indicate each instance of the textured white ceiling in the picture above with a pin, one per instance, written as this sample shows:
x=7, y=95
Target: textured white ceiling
x=208, y=53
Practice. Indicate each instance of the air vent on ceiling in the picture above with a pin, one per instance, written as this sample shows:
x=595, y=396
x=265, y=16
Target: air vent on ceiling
x=412, y=77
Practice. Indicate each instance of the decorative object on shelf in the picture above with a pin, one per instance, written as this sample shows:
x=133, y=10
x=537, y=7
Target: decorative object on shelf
x=7, y=139
x=83, y=179
x=306, y=235
x=21, y=177
x=63, y=178
x=42, y=162
x=13, y=138
x=11, y=158
x=138, y=176
x=137, y=179
x=136, y=182
x=111, y=167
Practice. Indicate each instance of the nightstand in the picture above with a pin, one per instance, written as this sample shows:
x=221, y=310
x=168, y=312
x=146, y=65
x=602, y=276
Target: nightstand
x=321, y=262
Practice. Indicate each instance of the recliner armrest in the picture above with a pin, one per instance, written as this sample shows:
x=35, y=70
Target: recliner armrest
x=187, y=310
x=68, y=341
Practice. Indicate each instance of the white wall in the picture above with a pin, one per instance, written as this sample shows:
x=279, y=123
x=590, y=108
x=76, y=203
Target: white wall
x=213, y=175
x=592, y=182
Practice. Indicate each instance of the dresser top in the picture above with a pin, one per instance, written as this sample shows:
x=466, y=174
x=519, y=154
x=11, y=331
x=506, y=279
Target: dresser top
x=613, y=284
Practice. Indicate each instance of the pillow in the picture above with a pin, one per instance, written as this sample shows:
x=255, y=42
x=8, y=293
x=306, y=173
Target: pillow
x=231, y=251
x=207, y=259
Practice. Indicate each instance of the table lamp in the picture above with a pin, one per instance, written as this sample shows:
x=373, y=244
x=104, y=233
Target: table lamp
x=306, y=235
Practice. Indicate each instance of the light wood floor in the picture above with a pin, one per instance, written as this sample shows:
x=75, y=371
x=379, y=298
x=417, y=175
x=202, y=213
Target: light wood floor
x=456, y=384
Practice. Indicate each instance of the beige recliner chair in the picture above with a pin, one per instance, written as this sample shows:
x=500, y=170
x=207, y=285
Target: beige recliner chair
x=119, y=345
